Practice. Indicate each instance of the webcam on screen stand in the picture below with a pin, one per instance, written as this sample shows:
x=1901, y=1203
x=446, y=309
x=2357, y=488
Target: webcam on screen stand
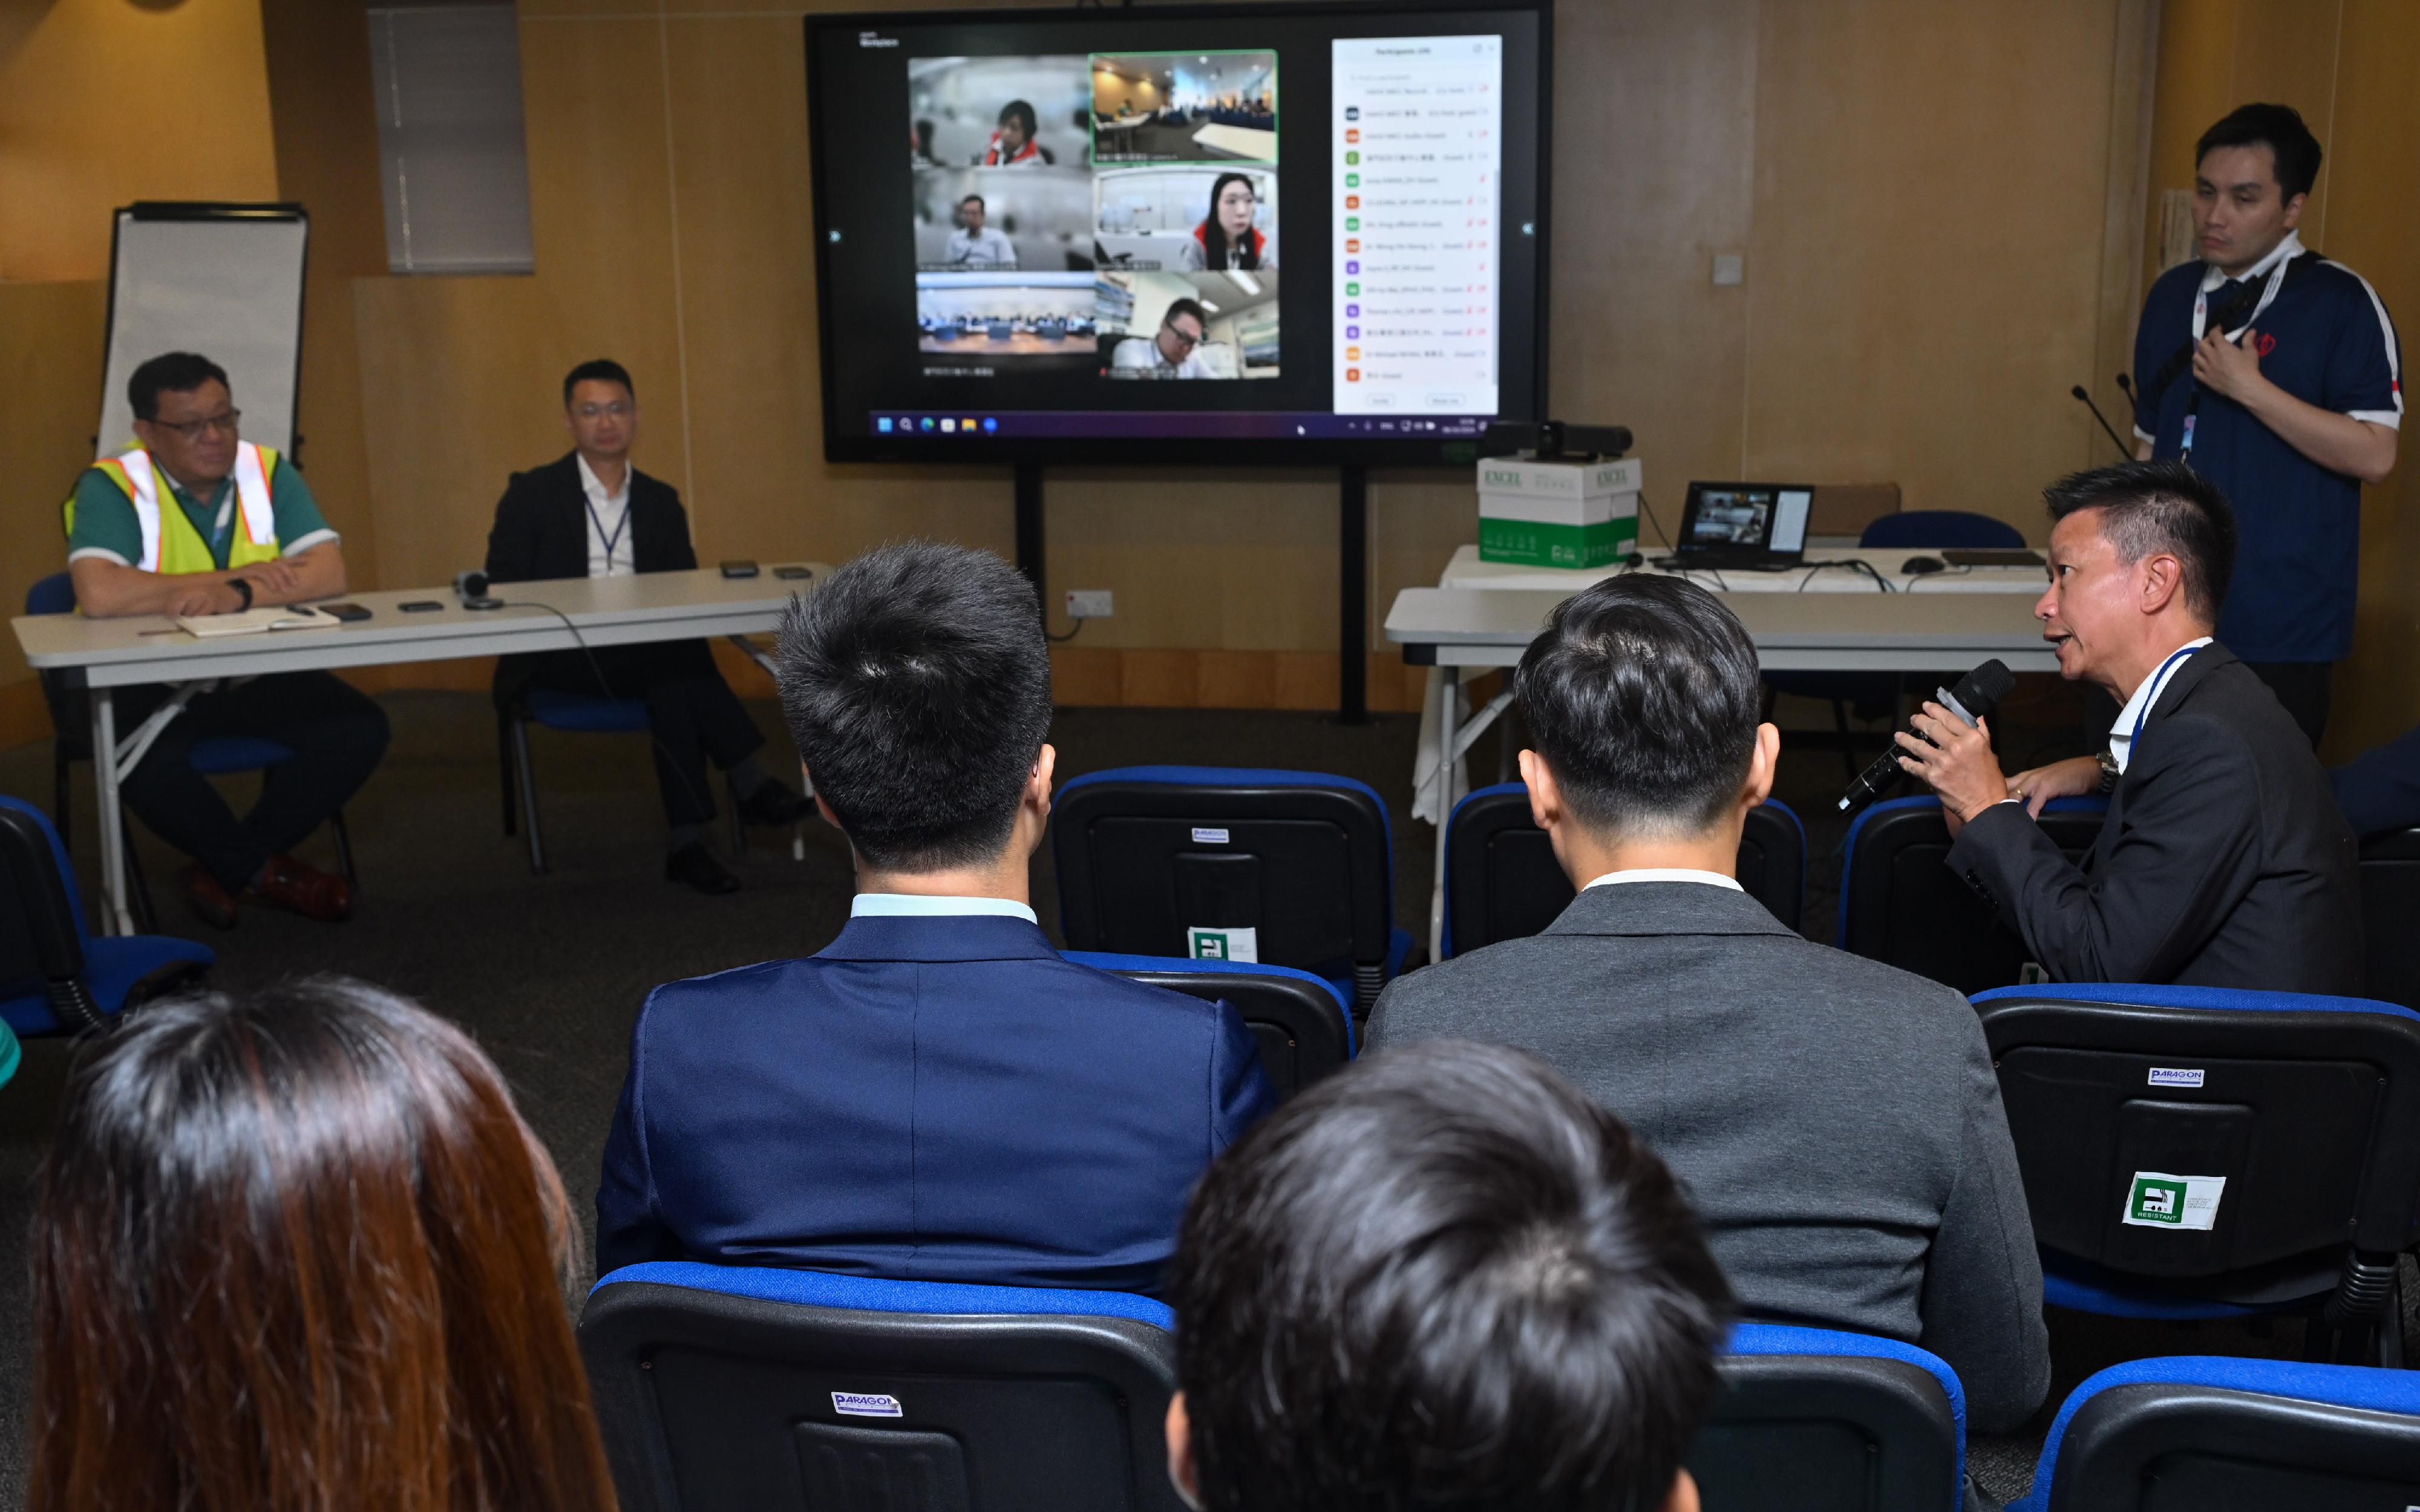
x=1552, y=441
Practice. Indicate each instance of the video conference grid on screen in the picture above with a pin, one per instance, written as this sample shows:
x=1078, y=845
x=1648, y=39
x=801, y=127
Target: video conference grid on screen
x=1086, y=227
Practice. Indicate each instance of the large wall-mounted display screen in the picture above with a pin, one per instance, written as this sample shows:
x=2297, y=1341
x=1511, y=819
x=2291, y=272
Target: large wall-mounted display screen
x=1239, y=233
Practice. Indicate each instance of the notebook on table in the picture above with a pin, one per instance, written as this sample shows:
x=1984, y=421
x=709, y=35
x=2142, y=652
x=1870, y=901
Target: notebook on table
x=253, y=620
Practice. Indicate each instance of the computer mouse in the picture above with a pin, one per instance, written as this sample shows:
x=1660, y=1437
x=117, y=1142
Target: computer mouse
x=1918, y=566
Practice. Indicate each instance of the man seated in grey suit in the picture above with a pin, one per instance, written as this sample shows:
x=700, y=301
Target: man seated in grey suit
x=1835, y=1120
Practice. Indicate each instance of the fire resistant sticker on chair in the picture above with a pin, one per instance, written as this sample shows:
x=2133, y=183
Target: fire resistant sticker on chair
x=2158, y=1200
x=1205, y=943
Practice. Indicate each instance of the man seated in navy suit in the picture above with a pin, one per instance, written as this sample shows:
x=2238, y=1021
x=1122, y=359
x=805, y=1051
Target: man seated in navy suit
x=936, y=1095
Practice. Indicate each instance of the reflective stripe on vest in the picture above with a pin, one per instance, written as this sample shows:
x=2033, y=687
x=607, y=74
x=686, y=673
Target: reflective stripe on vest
x=170, y=542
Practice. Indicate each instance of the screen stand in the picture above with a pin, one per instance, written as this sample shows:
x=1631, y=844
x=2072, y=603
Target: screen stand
x=1029, y=530
x=1353, y=597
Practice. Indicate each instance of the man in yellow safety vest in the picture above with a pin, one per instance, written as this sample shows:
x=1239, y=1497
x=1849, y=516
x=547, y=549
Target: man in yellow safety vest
x=194, y=520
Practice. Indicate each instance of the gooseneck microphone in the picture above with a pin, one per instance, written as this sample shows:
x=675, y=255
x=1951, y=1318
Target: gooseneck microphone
x=2087, y=399
x=1973, y=699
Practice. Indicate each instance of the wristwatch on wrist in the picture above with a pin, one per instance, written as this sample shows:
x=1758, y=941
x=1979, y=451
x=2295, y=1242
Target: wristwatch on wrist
x=2108, y=770
x=243, y=586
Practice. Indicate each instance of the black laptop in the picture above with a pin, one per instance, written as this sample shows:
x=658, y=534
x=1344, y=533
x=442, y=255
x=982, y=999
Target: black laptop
x=1745, y=526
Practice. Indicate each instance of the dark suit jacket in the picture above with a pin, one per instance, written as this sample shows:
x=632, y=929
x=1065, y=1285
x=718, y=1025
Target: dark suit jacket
x=2223, y=861
x=541, y=527
x=2380, y=788
x=1835, y=1120
x=926, y=1099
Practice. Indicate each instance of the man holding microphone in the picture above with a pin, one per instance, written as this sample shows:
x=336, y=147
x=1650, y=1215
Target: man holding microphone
x=2277, y=375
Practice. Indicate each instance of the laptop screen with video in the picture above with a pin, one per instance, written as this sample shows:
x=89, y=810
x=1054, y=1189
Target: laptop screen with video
x=1746, y=519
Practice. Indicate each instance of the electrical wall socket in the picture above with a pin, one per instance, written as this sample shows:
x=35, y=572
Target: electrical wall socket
x=1090, y=604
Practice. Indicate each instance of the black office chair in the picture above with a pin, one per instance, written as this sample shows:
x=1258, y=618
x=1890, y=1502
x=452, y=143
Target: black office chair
x=1147, y=855
x=2228, y=1435
x=54, y=975
x=1503, y=883
x=1901, y=905
x=2203, y=1152
x=2390, y=903
x=1815, y=1420
x=794, y=1391
x=1304, y=1025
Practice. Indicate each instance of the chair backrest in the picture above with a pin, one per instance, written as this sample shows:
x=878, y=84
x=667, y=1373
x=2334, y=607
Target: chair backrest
x=794, y=1391
x=1146, y=854
x=2390, y=900
x=1812, y=1418
x=1303, y=1024
x=1940, y=527
x=42, y=921
x=1901, y=905
x=2226, y=1143
x=1503, y=883
x=2220, y=1434
x=53, y=595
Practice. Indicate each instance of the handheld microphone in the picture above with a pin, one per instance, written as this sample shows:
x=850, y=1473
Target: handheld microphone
x=1973, y=699
x=2087, y=399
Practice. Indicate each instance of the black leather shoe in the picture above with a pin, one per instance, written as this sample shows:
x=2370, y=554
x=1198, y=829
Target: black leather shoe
x=774, y=806
x=695, y=865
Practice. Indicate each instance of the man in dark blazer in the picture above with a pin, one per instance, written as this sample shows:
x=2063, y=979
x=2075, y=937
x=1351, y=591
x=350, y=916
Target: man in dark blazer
x=593, y=514
x=936, y=1095
x=1835, y=1120
x=2223, y=861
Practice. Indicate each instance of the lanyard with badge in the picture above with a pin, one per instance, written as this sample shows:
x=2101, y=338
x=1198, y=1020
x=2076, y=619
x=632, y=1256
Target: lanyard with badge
x=598, y=520
x=2159, y=686
x=2201, y=322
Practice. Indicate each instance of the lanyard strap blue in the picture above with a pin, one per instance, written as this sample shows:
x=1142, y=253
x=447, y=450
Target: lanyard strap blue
x=614, y=540
x=2159, y=685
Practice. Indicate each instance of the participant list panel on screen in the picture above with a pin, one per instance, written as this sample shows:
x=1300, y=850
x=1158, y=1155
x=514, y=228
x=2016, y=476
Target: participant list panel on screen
x=1416, y=215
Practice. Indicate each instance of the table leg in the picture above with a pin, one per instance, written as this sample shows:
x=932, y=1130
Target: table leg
x=1442, y=689
x=116, y=919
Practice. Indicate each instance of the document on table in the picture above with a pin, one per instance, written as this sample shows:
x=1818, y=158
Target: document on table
x=253, y=620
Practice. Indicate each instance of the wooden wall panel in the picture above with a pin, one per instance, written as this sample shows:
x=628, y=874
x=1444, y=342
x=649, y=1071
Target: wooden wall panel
x=1924, y=295
x=50, y=391
x=89, y=95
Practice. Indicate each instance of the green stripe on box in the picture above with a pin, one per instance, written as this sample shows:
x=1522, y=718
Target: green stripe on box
x=1529, y=544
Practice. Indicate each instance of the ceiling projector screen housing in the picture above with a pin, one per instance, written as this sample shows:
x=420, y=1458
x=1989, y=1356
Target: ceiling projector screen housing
x=1218, y=234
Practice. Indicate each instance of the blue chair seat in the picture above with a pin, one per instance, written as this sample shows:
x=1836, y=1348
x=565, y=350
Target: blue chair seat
x=1823, y=1417
x=584, y=712
x=880, y=1294
x=111, y=966
x=107, y=967
x=237, y=754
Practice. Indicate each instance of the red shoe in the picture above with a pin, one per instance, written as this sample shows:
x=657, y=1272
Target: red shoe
x=304, y=889
x=209, y=900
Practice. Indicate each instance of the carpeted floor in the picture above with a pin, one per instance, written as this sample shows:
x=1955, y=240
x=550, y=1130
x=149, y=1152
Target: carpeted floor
x=548, y=971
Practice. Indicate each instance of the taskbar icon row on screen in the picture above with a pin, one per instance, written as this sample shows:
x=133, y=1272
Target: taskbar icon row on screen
x=1212, y=424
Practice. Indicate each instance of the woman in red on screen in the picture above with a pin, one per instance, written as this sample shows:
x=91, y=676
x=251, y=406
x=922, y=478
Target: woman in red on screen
x=1226, y=238
x=1013, y=146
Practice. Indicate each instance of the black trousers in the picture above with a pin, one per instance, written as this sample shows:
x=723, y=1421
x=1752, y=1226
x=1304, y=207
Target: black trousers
x=2305, y=687
x=693, y=712
x=336, y=734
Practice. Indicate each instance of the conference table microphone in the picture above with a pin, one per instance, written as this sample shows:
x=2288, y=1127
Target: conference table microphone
x=1973, y=699
x=2087, y=400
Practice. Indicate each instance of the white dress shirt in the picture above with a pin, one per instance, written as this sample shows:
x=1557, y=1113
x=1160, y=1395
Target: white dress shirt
x=928, y=905
x=611, y=553
x=1666, y=873
x=2147, y=696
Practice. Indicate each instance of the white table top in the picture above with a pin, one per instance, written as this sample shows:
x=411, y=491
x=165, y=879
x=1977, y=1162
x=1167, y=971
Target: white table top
x=1794, y=632
x=1243, y=141
x=1467, y=571
x=656, y=606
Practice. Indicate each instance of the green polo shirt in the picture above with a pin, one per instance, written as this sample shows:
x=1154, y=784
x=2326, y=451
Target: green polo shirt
x=105, y=525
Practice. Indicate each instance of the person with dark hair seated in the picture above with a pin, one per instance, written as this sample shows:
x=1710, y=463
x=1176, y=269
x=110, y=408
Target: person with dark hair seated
x=296, y=1249
x=194, y=520
x=592, y=514
x=936, y=1095
x=1442, y=1278
x=1837, y=1121
x=2223, y=861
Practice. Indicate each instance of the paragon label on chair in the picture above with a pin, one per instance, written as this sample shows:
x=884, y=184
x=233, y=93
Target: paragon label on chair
x=2158, y=1200
x=2175, y=1076
x=864, y=1404
x=1206, y=944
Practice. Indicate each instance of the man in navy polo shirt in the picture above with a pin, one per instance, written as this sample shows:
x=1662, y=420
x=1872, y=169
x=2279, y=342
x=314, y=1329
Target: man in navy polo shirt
x=2277, y=375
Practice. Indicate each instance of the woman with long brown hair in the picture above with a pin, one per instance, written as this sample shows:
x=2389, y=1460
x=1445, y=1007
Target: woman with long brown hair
x=295, y=1251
